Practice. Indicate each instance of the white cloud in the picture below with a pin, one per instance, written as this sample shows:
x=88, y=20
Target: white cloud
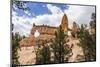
x=48, y=19
x=21, y=24
x=14, y=6
x=27, y=12
x=54, y=9
x=80, y=14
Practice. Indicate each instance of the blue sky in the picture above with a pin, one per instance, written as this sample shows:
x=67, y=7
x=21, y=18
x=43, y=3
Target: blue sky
x=38, y=9
x=48, y=14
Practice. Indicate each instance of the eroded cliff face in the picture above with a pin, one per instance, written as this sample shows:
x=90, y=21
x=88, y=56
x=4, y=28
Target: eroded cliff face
x=28, y=45
x=43, y=29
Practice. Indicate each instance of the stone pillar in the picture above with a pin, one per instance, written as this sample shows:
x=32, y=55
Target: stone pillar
x=74, y=29
x=64, y=23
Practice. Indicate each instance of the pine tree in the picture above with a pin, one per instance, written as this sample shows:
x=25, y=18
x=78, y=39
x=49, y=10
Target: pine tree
x=88, y=43
x=59, y=46
x=43, y=54
x=15, y=46
x=93, y=35
x=93, y=21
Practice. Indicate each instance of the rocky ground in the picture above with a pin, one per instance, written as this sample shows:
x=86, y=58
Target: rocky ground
x=27, y=55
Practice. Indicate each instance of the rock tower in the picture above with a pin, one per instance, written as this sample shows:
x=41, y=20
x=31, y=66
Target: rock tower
x=74, y=28
x=64, y=23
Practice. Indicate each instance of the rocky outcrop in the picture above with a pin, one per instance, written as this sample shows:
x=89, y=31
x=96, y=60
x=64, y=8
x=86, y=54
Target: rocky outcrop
x=74, y=28
x=46, y=32
x=64, y=23
x=43, y=29
x=27, y=42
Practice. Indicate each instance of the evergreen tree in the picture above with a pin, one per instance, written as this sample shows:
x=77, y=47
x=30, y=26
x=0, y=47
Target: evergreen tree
x=15, y=45
x=88, y=43
x=43, y=54
x=59, y=46
x=93, y=35
x=93, y=21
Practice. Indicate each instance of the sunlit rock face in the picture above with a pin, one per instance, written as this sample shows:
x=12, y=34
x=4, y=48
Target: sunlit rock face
x=77, y=51
x=64, y=23
x=36, y=34
x=27, y=42
x=27, y=55
x=43, y=29
x=74, y=28
x=41, y=33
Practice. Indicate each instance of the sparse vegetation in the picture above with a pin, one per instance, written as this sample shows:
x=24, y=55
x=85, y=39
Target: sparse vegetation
x=88, y=41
